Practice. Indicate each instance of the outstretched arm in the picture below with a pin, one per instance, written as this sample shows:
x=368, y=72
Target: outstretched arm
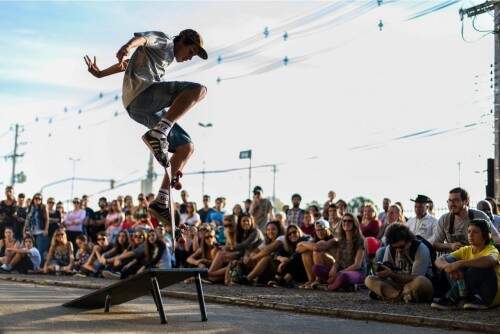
x=95, y=71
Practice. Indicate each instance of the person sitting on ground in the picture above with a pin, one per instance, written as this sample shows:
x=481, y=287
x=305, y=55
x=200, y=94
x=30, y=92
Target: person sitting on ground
x=349, y=251
x=113, y=221
x=204, y=256
x=121, y=245
x=25, y=259
x=370, y=225
x=147, y=256
x=7, y=244
x=248, y=239
x=474, y=269
x=60, y=258
x=125, y=259
x=202, y=229
x=288, y=260
x=259, y=263
x=97, y=259
x=217, y=270
x=311, y=256
x=185, y=244
x=406, y=271
x=83, y=252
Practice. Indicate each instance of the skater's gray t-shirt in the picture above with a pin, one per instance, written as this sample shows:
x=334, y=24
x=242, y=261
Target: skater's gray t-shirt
x=147, y=64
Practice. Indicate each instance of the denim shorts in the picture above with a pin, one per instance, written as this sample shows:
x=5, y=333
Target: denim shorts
x=149, y=107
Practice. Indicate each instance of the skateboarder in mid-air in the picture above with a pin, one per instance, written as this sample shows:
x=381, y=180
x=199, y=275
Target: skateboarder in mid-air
x=146, y=97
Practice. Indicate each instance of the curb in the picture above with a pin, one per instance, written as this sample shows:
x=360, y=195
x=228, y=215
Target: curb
x=416, y=321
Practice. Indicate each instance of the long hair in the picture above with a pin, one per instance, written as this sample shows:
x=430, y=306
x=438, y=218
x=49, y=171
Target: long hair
x=356, y=230
x=288, y=245
x=120, y=248
x=230, y=235
x=279, y=227
x=205, y=248
x=242, y=234
x=149, y=247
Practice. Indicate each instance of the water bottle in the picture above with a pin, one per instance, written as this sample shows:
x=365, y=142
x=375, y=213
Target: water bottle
x=462, y=291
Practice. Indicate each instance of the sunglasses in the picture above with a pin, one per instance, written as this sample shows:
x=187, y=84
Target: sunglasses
x=293, y=232
x=210, y=237
x=228, y=225
x=50, y=202
x=138, y=236
x=101, y=239
x=347, y=221
x=37, y=198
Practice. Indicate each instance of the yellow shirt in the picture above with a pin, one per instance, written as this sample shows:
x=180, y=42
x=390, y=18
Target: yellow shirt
x=465, y=253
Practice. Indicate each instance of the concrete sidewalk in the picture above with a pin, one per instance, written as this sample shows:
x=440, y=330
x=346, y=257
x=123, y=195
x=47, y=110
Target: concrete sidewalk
x=345, y=305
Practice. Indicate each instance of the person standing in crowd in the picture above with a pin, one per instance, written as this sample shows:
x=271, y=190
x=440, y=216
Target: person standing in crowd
x=98, y=224
x=370, y=225
x=74, y=221
x=331, y=200
x=185, y=200
x=494, y=204
x=423, y=224
x=248, y=205
x=217, y=215
x=262, y=209
x=295, y=215
x=114, y=220
x=206, y=210
x=89, y=213
x=406, y=269
x=237, y=211
x=334, y=219
x=37, y=224
x=341, y=207
x=22, y=212
x=8, y=214
x=451, y=229
x=382, y=216
x=191, y=217
x=128, y=204
x=474, y=270
x=55, y=218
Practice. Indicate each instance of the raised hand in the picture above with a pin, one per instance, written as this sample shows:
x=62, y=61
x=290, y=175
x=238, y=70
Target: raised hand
x=92, y=66
x=122, y=53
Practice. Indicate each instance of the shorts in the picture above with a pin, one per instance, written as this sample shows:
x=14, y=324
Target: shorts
x=149, y=107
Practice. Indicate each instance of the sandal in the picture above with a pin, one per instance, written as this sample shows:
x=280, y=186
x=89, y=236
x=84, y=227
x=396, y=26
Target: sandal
x=306, y=285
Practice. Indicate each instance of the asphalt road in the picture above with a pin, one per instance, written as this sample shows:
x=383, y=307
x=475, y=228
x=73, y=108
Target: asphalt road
x=28, y=308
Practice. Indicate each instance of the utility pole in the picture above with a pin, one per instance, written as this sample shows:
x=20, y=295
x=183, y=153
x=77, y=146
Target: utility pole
x=14, y=156
x=74, y=161
x=471, y=12
x=147, y=184
x=275, y=170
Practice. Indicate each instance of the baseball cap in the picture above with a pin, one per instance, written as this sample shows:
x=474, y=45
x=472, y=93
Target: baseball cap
x=323, y=223
x=195, y=37
x=257, y=189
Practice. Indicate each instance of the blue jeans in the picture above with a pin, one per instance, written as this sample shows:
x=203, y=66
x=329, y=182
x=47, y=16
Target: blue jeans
x=42, y=243
x=149, y=107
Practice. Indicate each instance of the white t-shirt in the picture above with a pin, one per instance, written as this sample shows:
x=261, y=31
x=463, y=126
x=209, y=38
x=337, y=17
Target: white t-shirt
x=190, y=221
x=35, y=257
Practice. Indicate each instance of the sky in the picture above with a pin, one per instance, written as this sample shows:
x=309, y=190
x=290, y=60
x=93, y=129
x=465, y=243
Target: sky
x=380, y=113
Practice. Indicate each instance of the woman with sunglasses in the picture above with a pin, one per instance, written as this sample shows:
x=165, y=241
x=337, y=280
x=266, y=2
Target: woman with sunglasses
x=122, y=245
x=126, y=258
x=37, y=224
x=349, y=252
x=311, y=256
x=204, y=256
x=97, y=259
x=288, y=259
x=60, y=257
x=191, y=217
x=74, y=221
x=259, y=263
x=83, y=252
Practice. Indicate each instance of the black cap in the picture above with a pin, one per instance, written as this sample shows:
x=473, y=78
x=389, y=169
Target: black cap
x=421, y=199
x=257, y=189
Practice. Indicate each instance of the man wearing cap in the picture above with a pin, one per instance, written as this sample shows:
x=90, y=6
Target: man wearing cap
x=146, y=97
x=423, y=224
x=261, y=208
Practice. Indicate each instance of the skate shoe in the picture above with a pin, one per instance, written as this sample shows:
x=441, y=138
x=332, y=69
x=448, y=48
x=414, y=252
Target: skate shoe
x=159, y=147
x=176, y=182
x=160, y=212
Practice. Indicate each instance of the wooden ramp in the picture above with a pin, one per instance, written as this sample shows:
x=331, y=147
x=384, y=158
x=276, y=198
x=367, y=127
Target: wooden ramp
x=148, y=282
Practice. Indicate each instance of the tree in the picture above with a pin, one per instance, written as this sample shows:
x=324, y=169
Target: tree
x=356, y=203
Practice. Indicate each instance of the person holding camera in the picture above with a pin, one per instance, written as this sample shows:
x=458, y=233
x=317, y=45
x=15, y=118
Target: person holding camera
x=406, y=270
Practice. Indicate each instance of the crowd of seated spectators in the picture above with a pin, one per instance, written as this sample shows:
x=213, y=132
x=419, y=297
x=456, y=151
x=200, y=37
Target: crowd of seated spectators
x=449, y=261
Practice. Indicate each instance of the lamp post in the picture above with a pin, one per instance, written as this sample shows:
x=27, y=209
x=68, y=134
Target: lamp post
x=204, y=126
x=74, y=161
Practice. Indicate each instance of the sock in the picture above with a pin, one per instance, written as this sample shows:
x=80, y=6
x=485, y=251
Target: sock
x=162, y=198
x=163, y=127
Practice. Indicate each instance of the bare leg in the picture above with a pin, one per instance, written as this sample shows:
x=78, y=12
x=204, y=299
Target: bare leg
x=183, y=102
x=178, y=161
x=307, y=259
x=217, y=263
x=15, y=260
x=259, y=268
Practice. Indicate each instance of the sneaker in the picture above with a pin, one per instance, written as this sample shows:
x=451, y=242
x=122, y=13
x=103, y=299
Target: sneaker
x=474, y=303
x=176, y=182
x=445, y=303
x=110, y=275
x=159, y=147
x=160, y=212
